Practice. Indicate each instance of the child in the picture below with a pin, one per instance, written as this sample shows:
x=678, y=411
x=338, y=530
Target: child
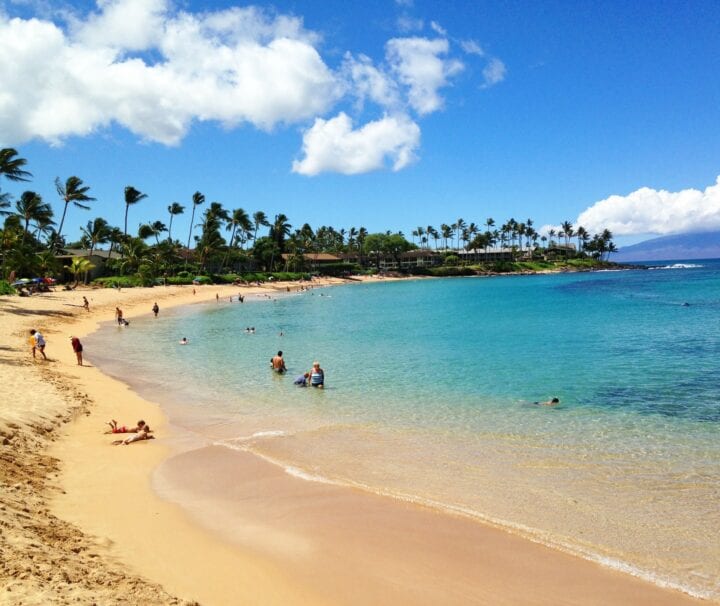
x=123, y=429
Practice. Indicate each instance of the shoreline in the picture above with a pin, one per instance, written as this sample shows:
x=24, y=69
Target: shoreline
x=109, y=496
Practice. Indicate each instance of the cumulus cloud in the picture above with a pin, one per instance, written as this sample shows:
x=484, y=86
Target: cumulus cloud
x=494, y=72
x=333, y=145
x=650, y=211
x=419, y=64
x=371, y=82
x=154, y=70
x=233, y=66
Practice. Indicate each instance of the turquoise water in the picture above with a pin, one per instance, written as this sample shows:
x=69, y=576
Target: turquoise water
x=429, y=396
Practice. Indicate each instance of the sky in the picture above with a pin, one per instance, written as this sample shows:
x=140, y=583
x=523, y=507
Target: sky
x=386, y=114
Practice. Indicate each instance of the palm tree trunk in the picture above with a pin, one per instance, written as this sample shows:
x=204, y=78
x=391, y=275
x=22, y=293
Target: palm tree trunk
x=62, y=221
x=187, y=252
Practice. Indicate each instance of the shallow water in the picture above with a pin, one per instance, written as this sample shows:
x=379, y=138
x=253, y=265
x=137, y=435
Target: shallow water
x=430, y=391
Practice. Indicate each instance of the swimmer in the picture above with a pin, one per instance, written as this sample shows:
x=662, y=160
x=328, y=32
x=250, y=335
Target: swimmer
x=184, y=341
x=278, y=364
x=551, y=402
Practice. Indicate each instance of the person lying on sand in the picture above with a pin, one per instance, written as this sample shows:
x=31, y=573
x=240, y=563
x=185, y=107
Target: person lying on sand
x=144, y=434
x=115, y=428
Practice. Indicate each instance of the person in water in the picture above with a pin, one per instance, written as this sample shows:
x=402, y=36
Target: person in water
x=184, y=341
x=551, y=402
x=317, y=376
x=302, y=380
x=278, y=364
x=155, y=309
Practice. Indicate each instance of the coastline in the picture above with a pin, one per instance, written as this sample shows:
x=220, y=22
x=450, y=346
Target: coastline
x=107, y=494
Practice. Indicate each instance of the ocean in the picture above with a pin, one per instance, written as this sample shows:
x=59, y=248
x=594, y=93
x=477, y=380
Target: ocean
x=430, y=396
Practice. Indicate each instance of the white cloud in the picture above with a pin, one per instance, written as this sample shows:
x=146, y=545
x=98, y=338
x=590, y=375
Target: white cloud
x=333, y=146
x=472, y=48
x=234, y=66
x=494, y=72
x=406, y=24
x=154, y=70
x=437, y=28
x=650, y=211
x=419, y=65
x=370, y=82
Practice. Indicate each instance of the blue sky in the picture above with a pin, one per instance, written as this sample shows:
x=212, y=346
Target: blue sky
x=383, y=114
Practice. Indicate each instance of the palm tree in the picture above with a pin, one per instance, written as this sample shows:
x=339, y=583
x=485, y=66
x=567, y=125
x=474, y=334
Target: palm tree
x=11, y=166
x=4, y=204
x=197, y=200
x=447, y=233
x=174, y=209
x=79, y=265
x=459, y=227
x=582, y=236
x=568, y=231
x=132, y=196
x=73, y=191
x=30, y=207
x=259, y=218
x=238, y=219
x=96, y=232
x=551, y=235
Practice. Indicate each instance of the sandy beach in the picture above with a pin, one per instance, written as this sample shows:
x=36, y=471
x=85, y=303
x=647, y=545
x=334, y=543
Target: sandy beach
x=81, y=522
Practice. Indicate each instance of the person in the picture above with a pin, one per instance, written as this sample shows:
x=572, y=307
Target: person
x=143, y=434
x=38, y=343
x=184, y=341
x=78, y=349
x=119, y=316
x=241, y=299
x=115, y=428
x=551, y=402
x=278, y=364
x=86, y=304
x=217, y=297
x=155, y=309
x=317, y=376
x=193, y=291
x=302, y=380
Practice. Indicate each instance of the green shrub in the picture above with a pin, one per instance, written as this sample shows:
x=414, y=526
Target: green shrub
x=202, y=280
x=184, y=274
x=6, y=289
x=450, y=271
x=452, y=260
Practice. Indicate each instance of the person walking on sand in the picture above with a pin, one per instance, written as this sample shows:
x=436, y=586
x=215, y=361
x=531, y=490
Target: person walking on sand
x=119, y=316
x=38, y=343
x=155, y=309
x=86, y=304
x=278, y=364
x=78, y=349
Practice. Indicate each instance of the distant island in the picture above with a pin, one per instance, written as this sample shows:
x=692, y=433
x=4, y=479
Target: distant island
x=705, y=245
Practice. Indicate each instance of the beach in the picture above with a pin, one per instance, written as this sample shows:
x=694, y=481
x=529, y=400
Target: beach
x=82, y=522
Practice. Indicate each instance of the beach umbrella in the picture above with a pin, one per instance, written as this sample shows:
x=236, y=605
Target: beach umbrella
x=21, y=282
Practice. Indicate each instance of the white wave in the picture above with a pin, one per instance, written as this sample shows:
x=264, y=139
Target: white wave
x=239, y=442
x=678, y=266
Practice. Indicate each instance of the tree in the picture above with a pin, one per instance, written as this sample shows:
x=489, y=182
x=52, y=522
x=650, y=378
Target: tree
x=239, y=219
x=174, y=209
x=12, y=166
x=459, y=226
x=31, y=208
x=73, y=191
x=197, y=200
x=259, y=218
x=447, y=233
x=96, y=232
x=132, y=196
x=77, y=266
x=567, y=228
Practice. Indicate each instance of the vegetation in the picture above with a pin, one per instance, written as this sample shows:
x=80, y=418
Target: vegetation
x=227, y=246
